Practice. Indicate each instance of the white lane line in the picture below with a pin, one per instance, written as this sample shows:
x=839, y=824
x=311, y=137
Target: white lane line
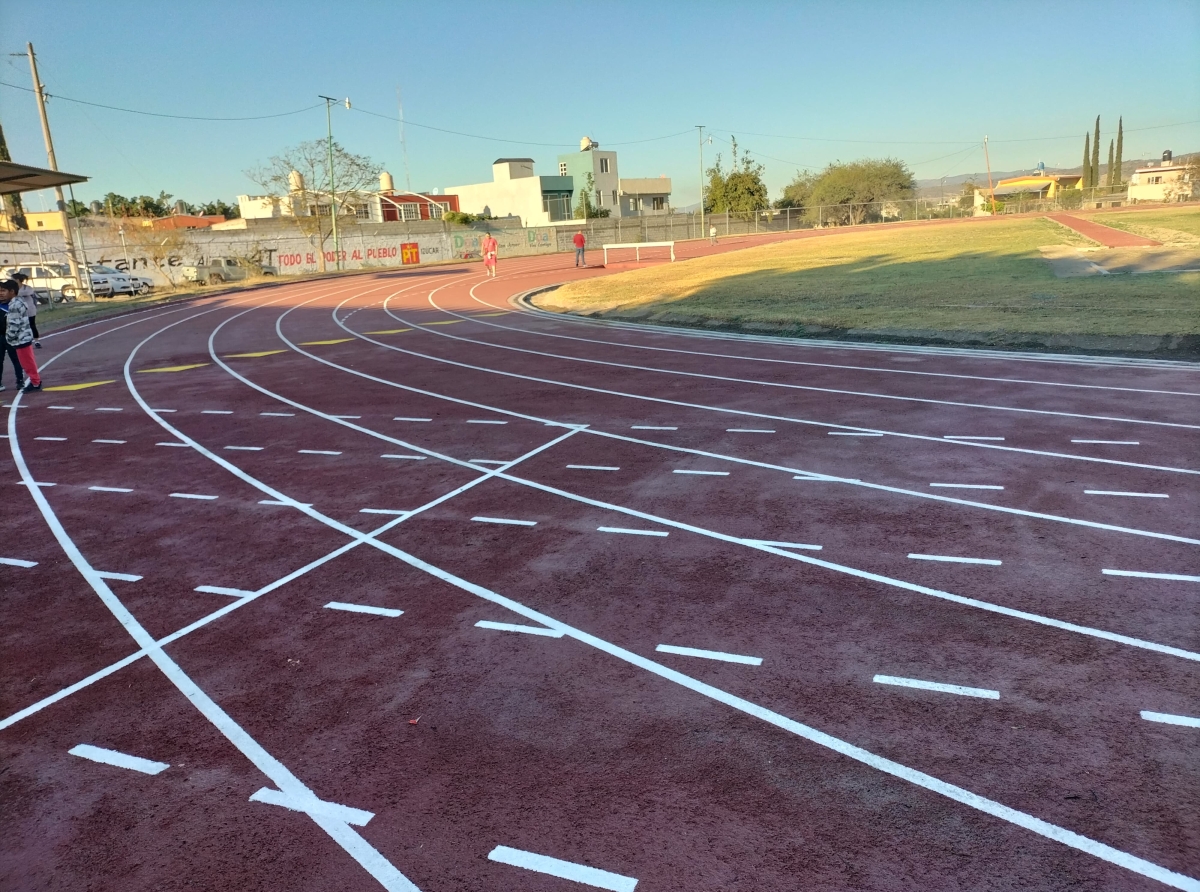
x=1111, y=442
x=318, y=808
x=528, y=630
x=160, y=411
x=650, y=427
x=317, y=452
x=965, y=486
x=285, y=504
x=519, y=523
x=64, y=408
x=221, y=590
x=351, y=417
x=394, y=512
x=953, y=560
x=709, y=654
x=632, y=532
x=109, y=489
x=705, y=473
x=484, y=421
x=770, y=544
x=119, y=760
x=216, y=411
x=17, y=562
x=1167, y=719
x=191, y=495
x=23, y=483
x=412, y=457
x=748, y=430
x=937, y=686
x=172, y=444
x=363, y=608
x=115, y=442
x=120, y=577
x=278, y=414
x=1178, y=577
x=981, y=439
x=487, y=461
x=52, y=439
x=1133, y=495
x=593, y=468
x=853, y=434
x=109, y=409
x=411, y=419
x=566, y=870
x=245, y=448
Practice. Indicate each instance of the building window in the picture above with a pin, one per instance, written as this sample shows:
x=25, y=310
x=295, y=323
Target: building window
x=1154, y=181
x=362, y=212
x=410, y=210
x=660, y=202
x=562, y=168
x=604, y=165
x=614, y=197
x=437, y=208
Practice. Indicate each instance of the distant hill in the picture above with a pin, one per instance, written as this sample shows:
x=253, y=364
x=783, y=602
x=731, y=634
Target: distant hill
x=931, y=188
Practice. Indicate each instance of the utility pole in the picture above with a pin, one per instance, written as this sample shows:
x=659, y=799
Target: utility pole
x=337, y=252
x=988, y=162
x=700, y=127
x=84, y=280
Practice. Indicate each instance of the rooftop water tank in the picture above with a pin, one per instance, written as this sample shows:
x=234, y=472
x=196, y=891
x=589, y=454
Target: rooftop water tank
x=295, y=181
x=386, y=183
x=1167, y=156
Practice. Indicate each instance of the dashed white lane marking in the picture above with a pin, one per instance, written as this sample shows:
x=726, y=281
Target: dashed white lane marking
x=1138, y=574
x=120, y=577
x=510, y=627
x=826, y=479
x=484, y=421
x=709, y=654
x=109, y=409
x=191, y=495
x=109, y=489
x=64, y=408
x=1110, y=442
x=52, y=439
x=748, y=430
x=315, y=807
x=245, y=448
x=216, y=411
x=965, y=486
x=35, y=483
x=349, y=417
x=119, y=760
x=953, y=560
x=937, y=686
x=162, y=411
x=317, y=452
x=965, y=437
x=221, y=590
x=566, y=870
x=412, y=419
x=650, y=427
x=853, y=434
x=285, y=504
x=17, y=562
x=114, y=442
x=593, y=468
x=278, y=414
x=771, y=544
x=487, y=461
x=518, y=523
x=394, y=512
x=632, y=532
x=184, y=445
x=704, y=473
x=1133, y=495
x=411, y=457
x=1167, y=719
x=363, y=608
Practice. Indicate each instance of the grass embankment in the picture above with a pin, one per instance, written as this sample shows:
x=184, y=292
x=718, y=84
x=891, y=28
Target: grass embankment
x=987, y=278
x=1171, y=226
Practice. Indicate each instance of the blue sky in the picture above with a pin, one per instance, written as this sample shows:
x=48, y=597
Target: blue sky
x=921, y=81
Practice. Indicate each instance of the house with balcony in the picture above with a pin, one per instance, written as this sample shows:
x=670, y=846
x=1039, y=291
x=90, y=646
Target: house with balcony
x=1168, y=181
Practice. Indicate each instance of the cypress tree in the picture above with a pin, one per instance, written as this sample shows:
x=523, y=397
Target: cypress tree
x=1087, y=160
x=1111, y=173
x=1096, y=154
x=1120, y=141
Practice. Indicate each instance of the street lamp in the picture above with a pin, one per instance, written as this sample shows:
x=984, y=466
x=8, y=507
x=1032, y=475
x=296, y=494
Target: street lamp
x=337, y=252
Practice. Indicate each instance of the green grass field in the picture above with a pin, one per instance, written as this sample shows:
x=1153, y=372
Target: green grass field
x=987, y=277
x=1167, y=225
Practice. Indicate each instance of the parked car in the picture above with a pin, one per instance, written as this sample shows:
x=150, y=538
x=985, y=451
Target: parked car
x=222, y=269
x=118, y=282
x=53, y=281
x=141, y=284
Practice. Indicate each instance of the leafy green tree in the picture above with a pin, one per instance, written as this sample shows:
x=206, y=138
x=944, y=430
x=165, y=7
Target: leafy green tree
x=1096, y=154
x=584, y=209
x=1120, y=146
x=1087, y=160
x=1111, y=171
x=844, y=193
x=219, y=206
x=77, y=208
x=741, y=191
x=798, y=193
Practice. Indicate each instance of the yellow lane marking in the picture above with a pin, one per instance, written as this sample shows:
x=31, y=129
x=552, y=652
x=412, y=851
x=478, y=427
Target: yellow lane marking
x=448, y=322
x=390, y=331
x=501, y=313
x=80, y=386
x=251, y=355
x=318, y=343
x=173, y=368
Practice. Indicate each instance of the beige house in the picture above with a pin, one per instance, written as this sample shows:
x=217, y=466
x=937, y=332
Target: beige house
x=1168, y=181
x=516, y=191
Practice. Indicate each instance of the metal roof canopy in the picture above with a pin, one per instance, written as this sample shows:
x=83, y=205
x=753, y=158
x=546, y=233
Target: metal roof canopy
x=23, y=178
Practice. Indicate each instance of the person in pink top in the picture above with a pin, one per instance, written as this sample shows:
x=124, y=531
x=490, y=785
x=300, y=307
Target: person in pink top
x=487, y=247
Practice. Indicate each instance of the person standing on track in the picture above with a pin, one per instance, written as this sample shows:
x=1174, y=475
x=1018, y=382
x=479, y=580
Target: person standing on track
x=712, y=234
x=28, y=295
x=487, y=247
x=579, y=241
x=19, y=335
x=9, y=350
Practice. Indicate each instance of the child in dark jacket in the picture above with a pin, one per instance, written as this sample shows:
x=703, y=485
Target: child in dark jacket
x=19, y=335
x=9, y=350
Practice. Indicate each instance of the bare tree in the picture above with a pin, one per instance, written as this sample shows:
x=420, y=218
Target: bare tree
x=310, y=204
x=159, y=247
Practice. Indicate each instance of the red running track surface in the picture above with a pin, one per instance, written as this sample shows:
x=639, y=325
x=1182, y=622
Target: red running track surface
x=793, y=504
x=1105, y=235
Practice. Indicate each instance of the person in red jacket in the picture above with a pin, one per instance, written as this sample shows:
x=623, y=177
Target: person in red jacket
x=580, y=241
x=487, y=247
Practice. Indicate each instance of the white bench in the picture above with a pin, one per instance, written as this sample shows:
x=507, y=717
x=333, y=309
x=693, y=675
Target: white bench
x=637, y=249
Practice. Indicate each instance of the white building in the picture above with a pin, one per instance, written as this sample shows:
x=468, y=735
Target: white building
x=1167, y=181
x=620, y=197
x=516, y=191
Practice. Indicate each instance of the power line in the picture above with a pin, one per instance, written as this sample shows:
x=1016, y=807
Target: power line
x=134, y=111
x=930, y=142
